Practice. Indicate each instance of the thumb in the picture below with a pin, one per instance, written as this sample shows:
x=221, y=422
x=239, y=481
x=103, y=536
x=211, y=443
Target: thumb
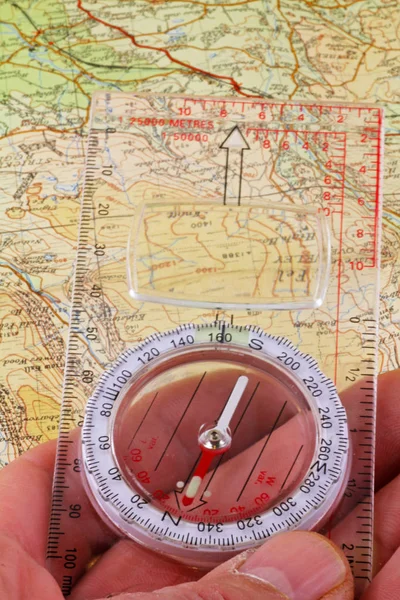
x=295, y=565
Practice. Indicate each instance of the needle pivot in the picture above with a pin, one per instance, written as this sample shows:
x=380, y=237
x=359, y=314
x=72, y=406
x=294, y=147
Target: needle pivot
x=215, y=440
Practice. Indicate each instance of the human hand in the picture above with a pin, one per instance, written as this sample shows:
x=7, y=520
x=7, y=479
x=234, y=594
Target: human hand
x=296, y=565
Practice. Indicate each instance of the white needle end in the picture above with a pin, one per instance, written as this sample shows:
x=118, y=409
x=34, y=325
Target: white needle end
x=233, y=402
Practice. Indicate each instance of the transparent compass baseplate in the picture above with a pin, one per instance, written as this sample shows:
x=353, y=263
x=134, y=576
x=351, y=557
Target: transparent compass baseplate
x=204, y=441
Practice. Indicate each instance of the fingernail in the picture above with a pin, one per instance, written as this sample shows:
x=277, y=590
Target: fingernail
x=300, y=565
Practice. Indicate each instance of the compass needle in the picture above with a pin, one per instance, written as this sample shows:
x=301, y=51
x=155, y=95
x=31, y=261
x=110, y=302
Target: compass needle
x=216, y=440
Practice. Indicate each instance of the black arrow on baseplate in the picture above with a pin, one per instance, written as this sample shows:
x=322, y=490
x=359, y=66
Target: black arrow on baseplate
x=234, y=143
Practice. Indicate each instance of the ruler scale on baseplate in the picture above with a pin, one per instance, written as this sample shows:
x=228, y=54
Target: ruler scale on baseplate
x=192, y=175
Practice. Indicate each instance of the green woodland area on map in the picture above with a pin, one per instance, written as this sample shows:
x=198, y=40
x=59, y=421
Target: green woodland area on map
x=54, y=55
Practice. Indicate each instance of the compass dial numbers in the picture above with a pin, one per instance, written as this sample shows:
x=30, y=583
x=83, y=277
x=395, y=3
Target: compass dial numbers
x=210, y=439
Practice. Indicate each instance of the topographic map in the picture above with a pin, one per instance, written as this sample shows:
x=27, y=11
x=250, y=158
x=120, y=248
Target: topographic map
x=55, y=54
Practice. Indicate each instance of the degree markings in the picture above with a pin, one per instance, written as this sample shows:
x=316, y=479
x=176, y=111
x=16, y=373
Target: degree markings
x=135, y=521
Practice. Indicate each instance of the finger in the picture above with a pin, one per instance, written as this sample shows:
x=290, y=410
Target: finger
x=386, y=584
x=387, y=522
x=25, y=497
x=25, y=502
x=160, y=425
x=127, y=566
x=21, y=577
x=388, y=428
x=296, y=565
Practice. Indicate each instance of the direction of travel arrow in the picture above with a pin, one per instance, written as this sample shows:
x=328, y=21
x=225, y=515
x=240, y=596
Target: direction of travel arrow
x=234, y=144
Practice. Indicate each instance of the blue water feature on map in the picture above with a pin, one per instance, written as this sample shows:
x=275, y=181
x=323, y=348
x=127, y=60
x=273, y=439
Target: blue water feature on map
x=13, y=31
x=67, y=187
x=103, y=84
x=76, y=144
x=29, y=281
x=176, y=34
x=41, y=55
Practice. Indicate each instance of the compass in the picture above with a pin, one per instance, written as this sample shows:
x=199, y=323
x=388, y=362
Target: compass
x=204, y=441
